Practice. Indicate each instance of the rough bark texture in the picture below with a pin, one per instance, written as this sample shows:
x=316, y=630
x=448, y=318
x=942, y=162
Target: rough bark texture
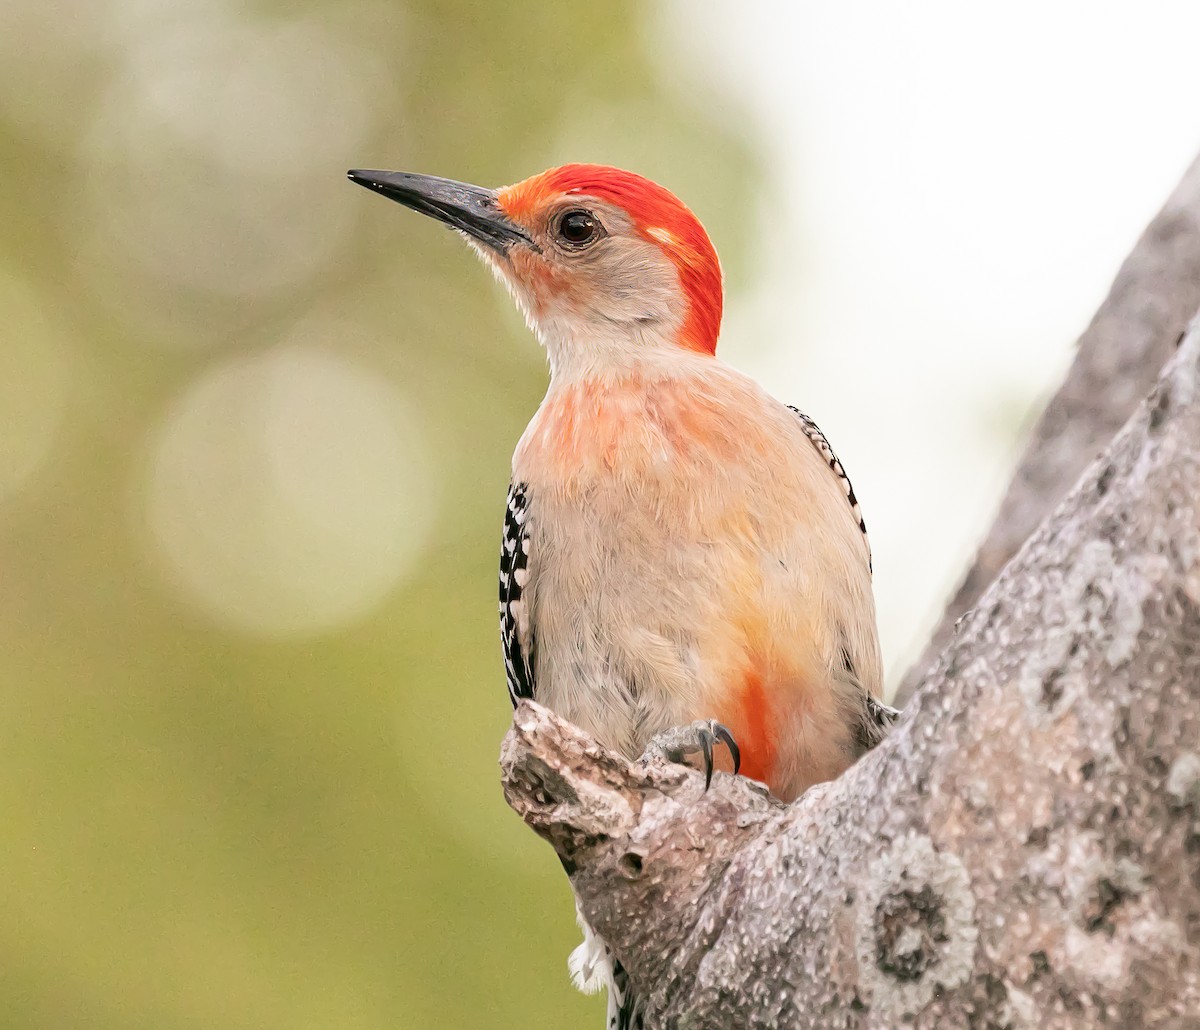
x=1022, y=851
x=1119, y=358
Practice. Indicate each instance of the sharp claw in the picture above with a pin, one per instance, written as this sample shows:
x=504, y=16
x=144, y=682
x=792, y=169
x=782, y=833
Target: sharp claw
x=706, y=740
x=726, y=738
x=676, y=744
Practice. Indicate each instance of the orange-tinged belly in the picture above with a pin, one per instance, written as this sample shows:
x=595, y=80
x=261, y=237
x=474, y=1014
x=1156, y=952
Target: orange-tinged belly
x=754, y=725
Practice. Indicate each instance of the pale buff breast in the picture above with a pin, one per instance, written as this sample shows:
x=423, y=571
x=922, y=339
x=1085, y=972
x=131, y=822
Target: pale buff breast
x=692, y=556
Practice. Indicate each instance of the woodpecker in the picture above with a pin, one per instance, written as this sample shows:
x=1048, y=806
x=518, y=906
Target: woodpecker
x=684, y=560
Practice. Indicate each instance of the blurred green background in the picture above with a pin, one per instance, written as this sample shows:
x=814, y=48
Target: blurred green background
x=255, y=425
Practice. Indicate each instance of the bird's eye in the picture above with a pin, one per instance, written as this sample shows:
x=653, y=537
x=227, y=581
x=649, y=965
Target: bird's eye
x=579, y=228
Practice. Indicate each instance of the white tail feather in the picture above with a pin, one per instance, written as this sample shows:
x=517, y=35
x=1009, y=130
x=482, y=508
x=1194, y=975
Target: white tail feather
x=590, y=965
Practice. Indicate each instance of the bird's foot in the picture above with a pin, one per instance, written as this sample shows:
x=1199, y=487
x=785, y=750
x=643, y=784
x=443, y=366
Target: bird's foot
x=680, y=742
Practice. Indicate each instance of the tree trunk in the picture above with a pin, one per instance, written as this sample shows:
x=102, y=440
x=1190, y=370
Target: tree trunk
x=1024, y=848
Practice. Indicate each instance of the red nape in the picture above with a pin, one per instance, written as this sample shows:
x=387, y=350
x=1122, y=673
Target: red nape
x=660, y=216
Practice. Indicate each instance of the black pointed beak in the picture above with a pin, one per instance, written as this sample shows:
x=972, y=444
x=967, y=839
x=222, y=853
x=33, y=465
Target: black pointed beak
x=470, y=209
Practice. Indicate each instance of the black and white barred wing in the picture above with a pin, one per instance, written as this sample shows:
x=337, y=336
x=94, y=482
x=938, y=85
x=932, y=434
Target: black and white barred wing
x=516, y=634
x=821, y=443
x=876, y=718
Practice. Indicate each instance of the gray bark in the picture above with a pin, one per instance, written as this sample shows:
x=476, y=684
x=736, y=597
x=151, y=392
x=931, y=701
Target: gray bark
x=1022, y=851
x=1118, y=359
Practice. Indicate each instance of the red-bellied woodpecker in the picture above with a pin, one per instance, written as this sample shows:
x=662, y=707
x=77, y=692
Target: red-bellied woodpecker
x=683, y=555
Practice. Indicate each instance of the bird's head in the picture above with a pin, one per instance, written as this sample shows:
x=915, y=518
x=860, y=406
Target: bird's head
x=606, y=264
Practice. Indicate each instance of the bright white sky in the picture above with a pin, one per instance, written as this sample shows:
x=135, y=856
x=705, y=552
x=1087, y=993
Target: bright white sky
x=952, y=188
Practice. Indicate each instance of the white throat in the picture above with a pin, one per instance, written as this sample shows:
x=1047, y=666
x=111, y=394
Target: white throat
x=579, y=350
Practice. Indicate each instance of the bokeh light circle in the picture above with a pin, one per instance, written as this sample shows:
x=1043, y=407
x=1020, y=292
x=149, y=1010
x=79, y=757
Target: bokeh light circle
x=209, y=180
x=289, y=491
